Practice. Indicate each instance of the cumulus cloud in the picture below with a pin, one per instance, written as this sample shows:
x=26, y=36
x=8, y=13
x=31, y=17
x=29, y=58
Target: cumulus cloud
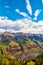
x=2, y=30
x=8, y=25
x=37, y=12
x=28, y=6
x=21, y=25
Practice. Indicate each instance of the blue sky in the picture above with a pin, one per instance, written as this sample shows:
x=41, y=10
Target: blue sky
x=7, y=8
x=21, y=16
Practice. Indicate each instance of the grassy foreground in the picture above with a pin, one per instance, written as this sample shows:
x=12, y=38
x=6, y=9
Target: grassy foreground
x=29, y=61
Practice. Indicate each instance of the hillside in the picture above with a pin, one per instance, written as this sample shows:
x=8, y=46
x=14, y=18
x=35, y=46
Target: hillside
x=20, y=37
x=23, y=44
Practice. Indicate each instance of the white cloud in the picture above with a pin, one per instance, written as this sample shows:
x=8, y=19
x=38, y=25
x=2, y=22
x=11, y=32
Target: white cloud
x=37, y=12
x=3, y=18
x=28, y=6
x=26, y=25
x=21, y=13
x=29, y=9
x=22, y=25
x=2, y=30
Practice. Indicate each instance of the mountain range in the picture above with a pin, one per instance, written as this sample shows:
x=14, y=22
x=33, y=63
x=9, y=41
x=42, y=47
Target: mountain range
x=21, y=36
x=21, y=43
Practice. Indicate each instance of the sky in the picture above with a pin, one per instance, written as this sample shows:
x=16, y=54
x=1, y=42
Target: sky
x=21, y=16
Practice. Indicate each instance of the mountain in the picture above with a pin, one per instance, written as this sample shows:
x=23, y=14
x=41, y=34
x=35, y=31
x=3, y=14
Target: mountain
x=38, y=37
x=21, y=43
x=21, y=38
